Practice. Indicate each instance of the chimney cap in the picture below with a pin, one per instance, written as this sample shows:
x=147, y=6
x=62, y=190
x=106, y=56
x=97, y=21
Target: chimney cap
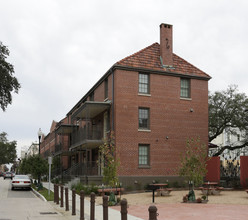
x=166, y=25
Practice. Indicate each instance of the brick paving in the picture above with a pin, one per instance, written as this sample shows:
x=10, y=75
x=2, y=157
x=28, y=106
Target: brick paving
x=192, y=211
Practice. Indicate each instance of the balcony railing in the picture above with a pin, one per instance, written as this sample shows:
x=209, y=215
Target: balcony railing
x=82, y=135
x=58, y=148
x=82, y=169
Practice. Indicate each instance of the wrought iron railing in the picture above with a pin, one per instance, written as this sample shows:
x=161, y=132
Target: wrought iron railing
x=83, y=134
x=82, y=169
x=58, y=148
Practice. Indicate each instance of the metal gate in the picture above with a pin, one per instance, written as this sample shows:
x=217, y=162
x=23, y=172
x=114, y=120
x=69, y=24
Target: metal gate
x=230, y=173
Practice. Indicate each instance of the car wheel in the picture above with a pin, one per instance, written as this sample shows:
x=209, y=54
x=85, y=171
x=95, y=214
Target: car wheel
x=12, y=188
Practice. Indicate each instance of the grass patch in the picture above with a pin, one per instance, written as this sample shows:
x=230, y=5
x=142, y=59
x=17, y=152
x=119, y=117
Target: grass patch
x=44, y=192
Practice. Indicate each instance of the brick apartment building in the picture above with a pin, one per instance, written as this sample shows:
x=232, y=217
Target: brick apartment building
x=153, y=100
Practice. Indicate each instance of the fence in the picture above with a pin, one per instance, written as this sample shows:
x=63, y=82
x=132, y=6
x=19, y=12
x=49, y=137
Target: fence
x=123, y=213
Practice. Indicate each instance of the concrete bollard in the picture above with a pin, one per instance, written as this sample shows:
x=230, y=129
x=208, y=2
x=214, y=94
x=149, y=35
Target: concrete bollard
x=105, y=207
x=73, y=202
x=152, y=212
x=92, y=206
x=66, y=199
x=61, y=196
x=81, y=205
x=124, y=209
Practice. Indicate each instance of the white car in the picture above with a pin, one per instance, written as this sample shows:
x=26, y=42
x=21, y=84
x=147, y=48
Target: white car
x=8, y=175
x=21, y=181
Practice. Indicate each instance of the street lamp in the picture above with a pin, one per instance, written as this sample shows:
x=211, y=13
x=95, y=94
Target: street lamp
x=39, y=136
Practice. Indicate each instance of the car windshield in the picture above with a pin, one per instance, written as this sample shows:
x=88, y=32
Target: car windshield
x=21, y=177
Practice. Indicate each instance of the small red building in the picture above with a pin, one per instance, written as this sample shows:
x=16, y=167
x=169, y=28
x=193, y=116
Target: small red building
x=153, y=100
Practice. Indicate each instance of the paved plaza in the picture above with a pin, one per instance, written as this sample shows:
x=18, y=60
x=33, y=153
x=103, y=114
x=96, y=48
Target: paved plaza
x=229, y=204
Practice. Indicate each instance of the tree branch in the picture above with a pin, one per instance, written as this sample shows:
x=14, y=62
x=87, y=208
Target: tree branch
x=228, y=147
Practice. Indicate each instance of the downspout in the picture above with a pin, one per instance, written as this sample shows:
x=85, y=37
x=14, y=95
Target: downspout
x=113, y=101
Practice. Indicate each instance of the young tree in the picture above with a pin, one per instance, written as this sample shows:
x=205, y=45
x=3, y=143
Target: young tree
x=228, y=110
x=34, y=165
x=8, y=82
x=7, y=149
x=193, y=161
x=109, y=160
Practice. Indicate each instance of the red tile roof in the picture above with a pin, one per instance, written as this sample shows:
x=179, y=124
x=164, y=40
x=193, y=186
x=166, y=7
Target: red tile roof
x=149, y=58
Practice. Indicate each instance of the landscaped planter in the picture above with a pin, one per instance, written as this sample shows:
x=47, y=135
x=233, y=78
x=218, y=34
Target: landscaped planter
x=190, y=198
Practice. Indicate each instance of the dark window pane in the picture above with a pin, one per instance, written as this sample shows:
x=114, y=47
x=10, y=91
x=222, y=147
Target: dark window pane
x=143, y=154
x=185, y=88
x=143, y=83
x=144, y=118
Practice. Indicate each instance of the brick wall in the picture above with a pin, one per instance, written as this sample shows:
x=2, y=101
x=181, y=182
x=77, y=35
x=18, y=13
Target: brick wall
x=244, y=171
x=169, y=116
x=213, y=167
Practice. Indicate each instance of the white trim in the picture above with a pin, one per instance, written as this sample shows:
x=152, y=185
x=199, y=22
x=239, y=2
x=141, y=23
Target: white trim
x=187, y=99
x=145, y=130
x=144, y=94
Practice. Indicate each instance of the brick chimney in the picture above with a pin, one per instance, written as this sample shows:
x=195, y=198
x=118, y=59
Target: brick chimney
x=166, y=44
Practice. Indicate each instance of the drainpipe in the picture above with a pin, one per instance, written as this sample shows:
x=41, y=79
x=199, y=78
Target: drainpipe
x=113, y=100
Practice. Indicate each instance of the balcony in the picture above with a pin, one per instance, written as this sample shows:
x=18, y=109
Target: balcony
x=86, y=138
x=81, y=169
x=90, y=110
x=57, y=150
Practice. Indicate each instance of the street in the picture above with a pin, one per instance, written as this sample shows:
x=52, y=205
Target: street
x=24, y=204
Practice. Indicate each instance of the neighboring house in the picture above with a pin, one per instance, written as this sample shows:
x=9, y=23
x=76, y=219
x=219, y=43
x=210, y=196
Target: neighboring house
x=228, y=138
x=23, y=152
x=33, y=150
x=153, y=100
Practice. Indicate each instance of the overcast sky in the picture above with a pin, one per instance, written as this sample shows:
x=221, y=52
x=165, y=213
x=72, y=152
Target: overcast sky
x=60, y=48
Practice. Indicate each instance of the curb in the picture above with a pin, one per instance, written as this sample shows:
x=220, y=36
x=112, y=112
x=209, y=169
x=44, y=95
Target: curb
x=39, y=195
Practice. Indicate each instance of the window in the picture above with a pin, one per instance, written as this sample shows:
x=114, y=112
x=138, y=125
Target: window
x=238, y=137
x=144, y=118
x=106, y=88
x=185, y=88
x=228, y=137
x=144, y=155
x=144, y=83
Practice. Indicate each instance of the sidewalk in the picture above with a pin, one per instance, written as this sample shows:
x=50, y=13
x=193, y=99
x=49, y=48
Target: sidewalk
x=113, y=214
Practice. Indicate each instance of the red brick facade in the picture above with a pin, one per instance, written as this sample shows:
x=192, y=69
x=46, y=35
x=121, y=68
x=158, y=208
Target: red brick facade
x=172, y=119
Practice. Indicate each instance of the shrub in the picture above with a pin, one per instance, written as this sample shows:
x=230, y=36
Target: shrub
x=175, y=184
x=88, y=189
x=185, y=198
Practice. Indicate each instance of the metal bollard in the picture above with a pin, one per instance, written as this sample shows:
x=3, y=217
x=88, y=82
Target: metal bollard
x=105, y=207
x=57, y=194
x=61, y=196
x=81, y=205
x=152, y=212
x=124, y=209
x=54, y=193
x=73, y=202
x=92, y=206
x=66, y=199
